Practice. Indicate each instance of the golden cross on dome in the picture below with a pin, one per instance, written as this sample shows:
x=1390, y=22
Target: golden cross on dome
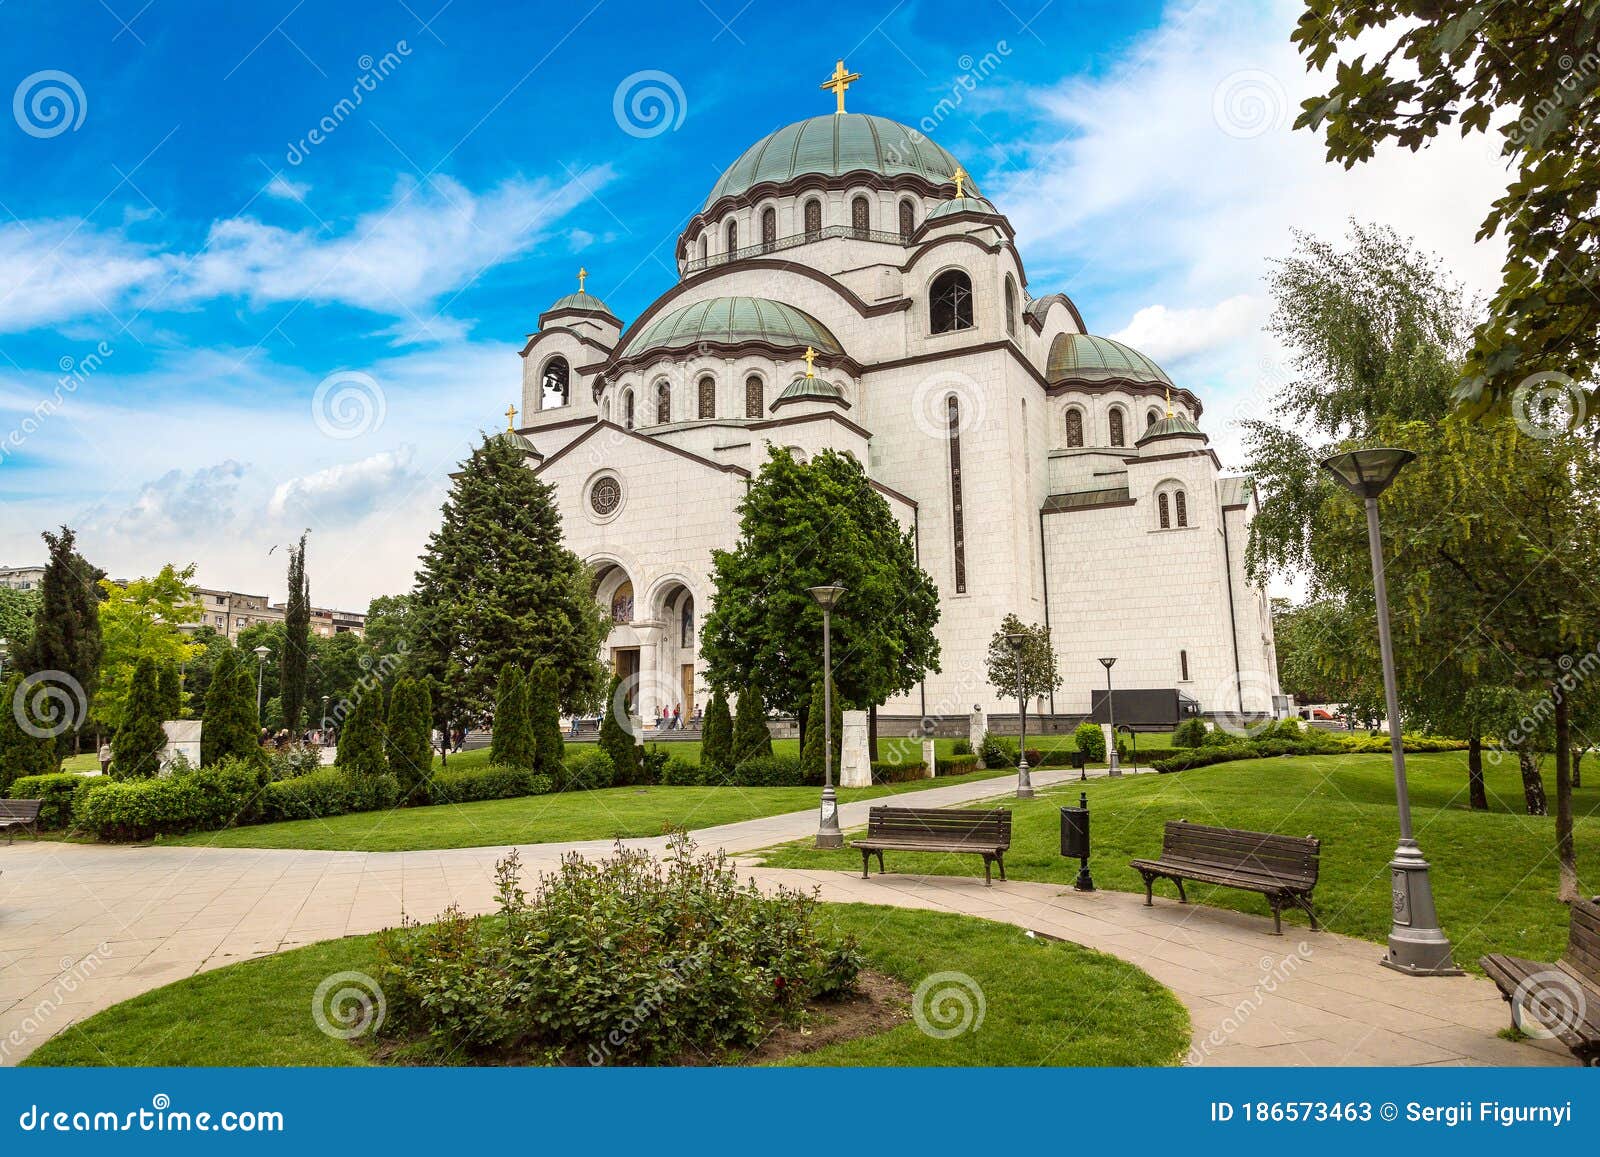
x=961, y=180
x=811, y=356
x=1169, y=401
x=511, y=416
x=582, y=273
x=838, y=82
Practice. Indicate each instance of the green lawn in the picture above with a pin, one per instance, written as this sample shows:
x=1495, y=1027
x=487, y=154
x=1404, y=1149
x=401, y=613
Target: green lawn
x=580, y=815
x=1044, y=1002
x=1494, y=873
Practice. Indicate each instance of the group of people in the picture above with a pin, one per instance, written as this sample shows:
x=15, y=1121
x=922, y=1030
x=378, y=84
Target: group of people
x=311, y=737
x=673, y=720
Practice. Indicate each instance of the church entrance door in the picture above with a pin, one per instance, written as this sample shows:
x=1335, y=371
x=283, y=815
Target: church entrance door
x=625, y=663
x=686, y=674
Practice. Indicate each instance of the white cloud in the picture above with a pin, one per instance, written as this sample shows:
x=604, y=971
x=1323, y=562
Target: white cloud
x=180, y=500
x=52, y=270
x=349, y=491
x=1174, y=334
x=285, y=189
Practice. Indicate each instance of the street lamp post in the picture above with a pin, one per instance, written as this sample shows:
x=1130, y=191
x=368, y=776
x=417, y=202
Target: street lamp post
x=1417, y=944
x=1113, y=766
x=1017, y=640
x=261, y=665
x=829, y=834
x=5, y=645
x=324, y=727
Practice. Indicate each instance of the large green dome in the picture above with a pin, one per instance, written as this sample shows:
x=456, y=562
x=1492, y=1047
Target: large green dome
x=731, y=321
x=833, y=145
x=1082, y=357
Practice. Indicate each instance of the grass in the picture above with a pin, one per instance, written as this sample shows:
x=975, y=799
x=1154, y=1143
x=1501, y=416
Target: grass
x=1494, y=873
x=617, y=812
x=1044, y=1002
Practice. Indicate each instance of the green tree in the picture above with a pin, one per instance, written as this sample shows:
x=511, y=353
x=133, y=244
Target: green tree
x=361, y=741
x=816, y=523
x=389, y=624
x=544, y=711
x=1528, y=72
x=752, y=738
x=21, y=752
x=169, y=686
x=66, y=631
x=1027, y=673
x=617, y=738
x=142, y=621
x=297, y=641
x=497, y=586
x=198, y=671
x=137, y=746
x=228, y=729
x=512, y=743
x=410, y=734
x=716, y=734
x=17, y=612
x=811, y=749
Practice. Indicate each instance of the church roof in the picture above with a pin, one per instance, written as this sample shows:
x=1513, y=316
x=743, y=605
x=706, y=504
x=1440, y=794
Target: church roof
x=519, y=442
x=803, y=388
x=831, y=146
x=584, y=301
x=1082, y=357
x=963, y=205
x=730, y=321
x=1168, y=428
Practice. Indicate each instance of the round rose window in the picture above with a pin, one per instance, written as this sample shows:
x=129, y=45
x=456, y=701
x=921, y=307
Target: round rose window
x=605, y=495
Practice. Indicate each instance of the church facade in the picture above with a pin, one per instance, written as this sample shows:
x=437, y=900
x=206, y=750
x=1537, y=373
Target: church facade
x=845, y=286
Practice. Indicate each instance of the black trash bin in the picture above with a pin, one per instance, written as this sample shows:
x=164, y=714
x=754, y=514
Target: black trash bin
x=1075, y=840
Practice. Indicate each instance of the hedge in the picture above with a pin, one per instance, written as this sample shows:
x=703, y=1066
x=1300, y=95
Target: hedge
x=476, y=783
x=1311, y=743
x=956, y=765
x=330, y=792
x=137, y=809
x=54, y=791
x=885, y=771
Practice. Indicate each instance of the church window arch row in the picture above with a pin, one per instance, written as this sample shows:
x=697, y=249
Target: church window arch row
x=732, y=235
x=950, y=303
x=1172, y=506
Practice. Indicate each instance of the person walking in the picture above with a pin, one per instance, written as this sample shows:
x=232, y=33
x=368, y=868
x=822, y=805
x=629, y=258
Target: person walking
x=105, y=758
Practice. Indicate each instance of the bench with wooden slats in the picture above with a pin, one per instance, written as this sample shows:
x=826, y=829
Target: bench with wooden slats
x=1281, y=868
x=1564, y=996
x=918, y=829
x=19, y=813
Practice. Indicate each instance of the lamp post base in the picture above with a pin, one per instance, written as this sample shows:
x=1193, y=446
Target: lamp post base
x=1024, y=784
x=828, y=833
x=1417, y=945
x=1113, y=764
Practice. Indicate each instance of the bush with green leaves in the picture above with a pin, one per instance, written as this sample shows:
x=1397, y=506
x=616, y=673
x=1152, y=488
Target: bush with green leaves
x=332, y=791
x=962, y=747
x=464, y=785
x=617, y=961
x=716, y=734
x=137, y=746
x=201, y=800
x=409, y=734
x=764, y=771
x=511, y=742
x=617, y=739
x=586, y=768
x=957, y=764
x=998, y=751
x=544, y=715
x=1089, y=739
x=54, y=791
x=1222, y=737
x=361, y=738
x=752, y=738
x=1190, y=733
x=295, y=759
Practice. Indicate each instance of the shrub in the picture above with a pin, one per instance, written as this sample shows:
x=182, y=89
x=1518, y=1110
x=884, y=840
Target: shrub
x=962, y=747
x=886, y=772
x=54, y=791
x=652, y=763
x=409, y=735
x=997, y=751
x=492, y=782
x=1089, y=739
x=587, y=769
x=680, y=773
x=332, y=791
x=764, y=771
x=752, y=739
x=1190, y=733
x=361, y=737
x=137, y=809
x=1221, y=737
x=716, y=734
x=296, y=759
x=544, y=716
x=959, y=764
x=617, y=740
x=511, y=742
x=229, y=730
x=139, y=741
x=627, y=960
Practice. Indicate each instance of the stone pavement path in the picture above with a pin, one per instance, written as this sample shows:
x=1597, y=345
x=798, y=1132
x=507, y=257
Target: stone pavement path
x=83, y=927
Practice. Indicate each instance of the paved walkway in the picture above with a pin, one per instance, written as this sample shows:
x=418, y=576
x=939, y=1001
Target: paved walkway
x=83, y=927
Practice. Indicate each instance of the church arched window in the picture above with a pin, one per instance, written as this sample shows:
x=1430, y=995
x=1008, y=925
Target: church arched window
x=908, y=219
x=950, y=302
x=605, y=410
x=1181, y=502
x=733, y=237
x=1011, y=306
x=1152, y=418
x=702, y=247
x=708, y=397
x=686, y=623
x=627, y=409
x=755, y=401
x=663, y=403
x=1183, y=666
x=813, y=214
x=1074, y=427
x=769, y=228
x=554, y=389
x=860, y=215
x=1164, y=511
x=1118, y=427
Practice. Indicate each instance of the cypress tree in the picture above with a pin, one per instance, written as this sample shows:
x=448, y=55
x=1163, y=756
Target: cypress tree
x=66, y=630
x=170, y=691
x=617, y=741
x=811, y=753
x=751, y=738
x=228, y=729
x=20, y=753
x=296, y=641
x=545, y=717
x=410, y=734
x=511, y=743
x=136, y=748
x=716, y=735
x=361, y=741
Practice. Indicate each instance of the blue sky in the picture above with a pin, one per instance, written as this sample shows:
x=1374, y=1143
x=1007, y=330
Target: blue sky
x=182, y=266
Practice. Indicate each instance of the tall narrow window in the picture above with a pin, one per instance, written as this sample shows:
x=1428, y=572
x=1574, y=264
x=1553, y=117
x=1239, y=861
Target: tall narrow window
x=813, y=214
x=1152, y=418
x=663, y=403
x=1183, y=665
x=769, y=227
x=708, y=397
x=908, y=220
x=1074, y=427
x=702, y=247
x=554, y=389
x=627, y=409
x=1011, y=306
x=686, y=627
x=1118, y=438
x=860, y=215
x=733, y=237
x=957, y=521
x=755, y=402
x=1182, y=504
x=1165, y=511
x=950, y=302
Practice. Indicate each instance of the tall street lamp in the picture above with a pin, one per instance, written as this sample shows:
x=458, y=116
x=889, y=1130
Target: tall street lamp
x=1017, y=640
x=828, y=833
x=1416, y=943
x=1113, y=766
x=261, y=666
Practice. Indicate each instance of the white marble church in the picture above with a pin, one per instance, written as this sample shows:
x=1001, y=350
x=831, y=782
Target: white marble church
x=846, y=286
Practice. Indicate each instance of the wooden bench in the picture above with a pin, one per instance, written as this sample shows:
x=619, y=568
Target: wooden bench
x=1281, y=868
x=920, y=829
x=1564, y=996
x=19, y=813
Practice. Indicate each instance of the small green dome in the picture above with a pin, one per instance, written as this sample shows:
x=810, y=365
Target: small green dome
x=519, y=442
x=963, y=205
x=831, y=146
x=587, y=302
x=803, y=387
x=731, y=321
x=1081, y=357
x=1170, y=427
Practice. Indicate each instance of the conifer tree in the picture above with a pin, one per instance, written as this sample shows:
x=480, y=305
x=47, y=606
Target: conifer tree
x=811, y=762
x=410, y=734
x=66, y=631
x=511, y=743
x=296, y=641
x=228, y=729
x=716, y=735
x=170, y=688
x=361, y=741
x=21, y=753
x=544, y=713
x=751, y=737
x=137, y=746
x=617, y=741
